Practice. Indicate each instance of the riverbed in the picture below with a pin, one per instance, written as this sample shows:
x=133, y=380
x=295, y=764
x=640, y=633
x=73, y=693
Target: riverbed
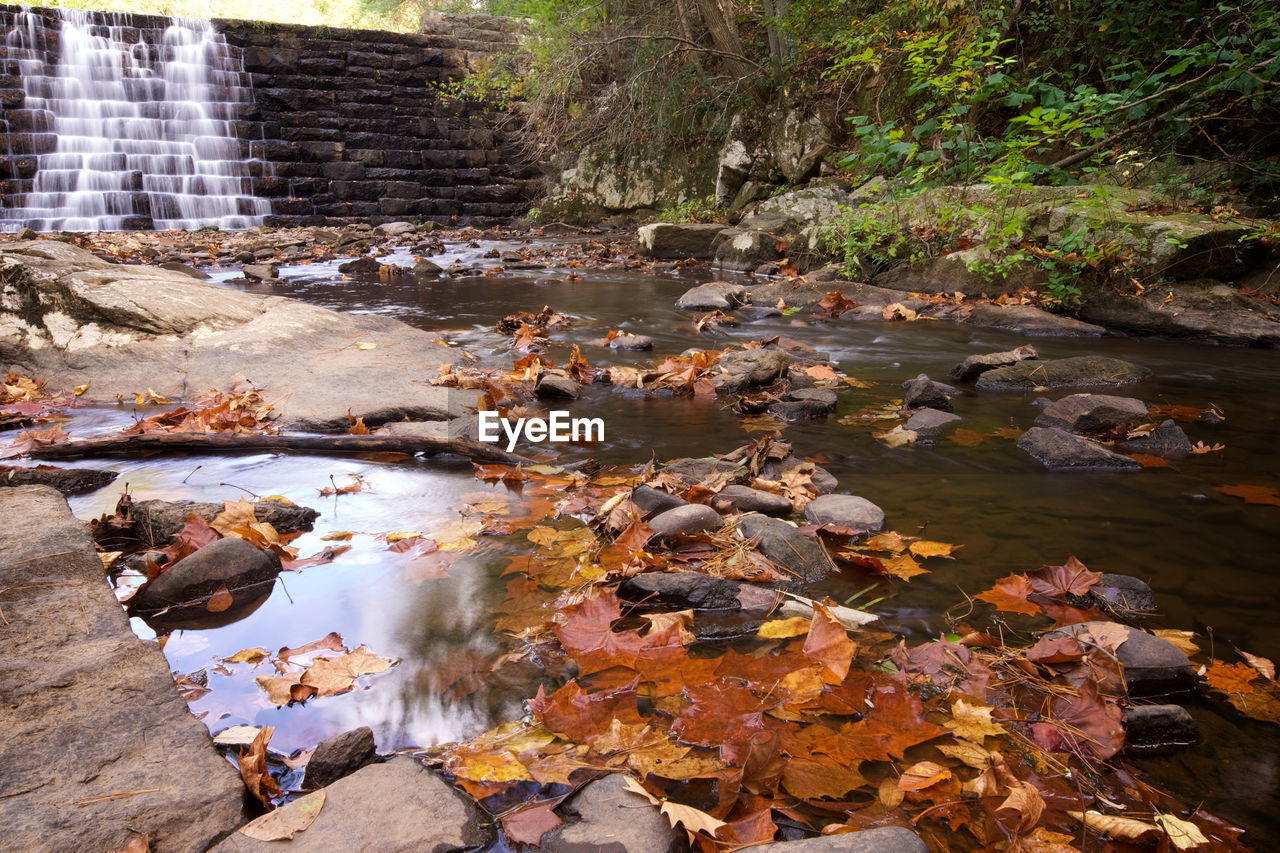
x=1208, y=555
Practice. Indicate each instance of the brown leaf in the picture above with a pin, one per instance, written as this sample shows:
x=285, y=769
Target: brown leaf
x=921, y=775
x=1026, y=801
x=1230, y=677
x=253, y=768
x=1266, y=495
x=1261, y=664
x=1122, y=828
x=828, y=643
x=139, y=843
x=329, y=676
x=1010, y=594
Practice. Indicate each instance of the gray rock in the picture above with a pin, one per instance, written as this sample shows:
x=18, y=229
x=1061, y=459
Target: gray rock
x=611, y=819
x=975, y=365
x=1093, y=413
x=90, y=710
x=1167, y=440
x=691, y=518
x=127, y=327
x=845, y=511
x=712, y=296
x=752, y=367
x=824, y=480
x=883, y=839
x=825, y=396
x=425, y=267
x=1080, y=372
x=1152, y=666
x=742, y=249
x=931, y=421
x=156, y=521
x=397, y=807
x=261, y=272
x=1124, y=596
x=786, y=546
x=795, y=411
x=1060, y=450
x=69, y=481
x=556, y=386
x=395, y=229
x=680, y=590
x=1159, y=727
x=1031, y=321
x=678, y=241
x=231, y=563
x=923, y=392
x=747, y=499
x=340, y=756
x=693, y=471
x=632, y=342
x=654, y=501
x=757, y=312
x=178, y=266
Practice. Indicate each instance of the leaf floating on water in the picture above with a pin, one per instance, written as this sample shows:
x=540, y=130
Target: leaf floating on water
x=528, y=825
x=1184, y=834
x=219, y=601
x=1122, y=828
x=1010, y=594
x=967, y=437
x=781, y=629
x=925, y=548
x=253, y=768
x=1200, y=448
x=1181, y=639
x=898, y=436
x=1266, y=495
x=1146, y=460
x=1261, y=664
x=288, y=820
x=1230, y=677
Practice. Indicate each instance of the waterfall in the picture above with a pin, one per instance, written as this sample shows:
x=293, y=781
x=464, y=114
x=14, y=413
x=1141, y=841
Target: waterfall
x=131, y=128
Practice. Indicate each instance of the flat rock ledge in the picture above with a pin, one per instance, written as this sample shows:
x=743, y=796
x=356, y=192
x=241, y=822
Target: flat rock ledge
x=99, y=746
x=73, y=318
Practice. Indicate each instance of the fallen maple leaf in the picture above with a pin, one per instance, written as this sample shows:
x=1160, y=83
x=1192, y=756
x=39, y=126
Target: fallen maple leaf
x=1230, y=677
x=925, y=548
x=828, y=643
x=921, y=775
x=253, y=769
x=1200, y=448
x=1010, y=594
x=972, y=722
x=1266, y=495
x=693, y=820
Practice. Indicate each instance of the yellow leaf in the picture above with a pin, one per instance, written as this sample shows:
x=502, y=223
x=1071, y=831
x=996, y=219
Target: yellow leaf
x=365, y=346
x=925, y=548
x=278, y=499
x=247, y=656
x=693, y=820
x=1123, y=828
x=1184, y=834
x=396, y=537
x=343, y=536
x=781, y=629
x=898, y=436
x=1181, y=639
x=972, y=722
x=80, y=389
x=543, y=536
x=109, y=557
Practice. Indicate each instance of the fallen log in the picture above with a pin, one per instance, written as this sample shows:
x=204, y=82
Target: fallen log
x=203, y=442
x=69, y=481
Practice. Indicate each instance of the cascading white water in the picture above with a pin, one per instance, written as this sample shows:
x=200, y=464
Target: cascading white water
x=144, y=130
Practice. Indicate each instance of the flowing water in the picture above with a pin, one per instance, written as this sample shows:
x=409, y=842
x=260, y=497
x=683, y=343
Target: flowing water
x=132, y=128
x=1210, y=557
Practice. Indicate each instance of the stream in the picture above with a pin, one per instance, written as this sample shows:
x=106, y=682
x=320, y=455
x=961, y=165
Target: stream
x=1209, y=556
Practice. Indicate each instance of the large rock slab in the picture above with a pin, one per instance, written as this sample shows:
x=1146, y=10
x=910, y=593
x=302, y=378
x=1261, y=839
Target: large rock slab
x=397, y=807
x=1203, y=310
x=1031, y=321
x=975, y=365
x=90, y=712
x=678, y=241
x=1060, y=450
x=712, y=296
x=72, y=318
x=1084, y=371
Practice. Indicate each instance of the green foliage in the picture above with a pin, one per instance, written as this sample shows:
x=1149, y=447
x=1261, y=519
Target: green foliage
x=702, y=209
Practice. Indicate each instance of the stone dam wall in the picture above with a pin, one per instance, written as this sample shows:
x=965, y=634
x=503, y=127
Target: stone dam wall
x=344, y=125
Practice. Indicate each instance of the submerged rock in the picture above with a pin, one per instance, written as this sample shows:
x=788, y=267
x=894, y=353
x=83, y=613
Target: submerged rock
x=712, y=296
x=229, y=563
x=69, y=481
x=397, y=807
x=1123, y=595
x=556, y=386
x=1060, y=450
x=1093, y=413
x=1079, y=372
x=604, y=817
x=975, y=365
x=845, y=511
x=1031, y=321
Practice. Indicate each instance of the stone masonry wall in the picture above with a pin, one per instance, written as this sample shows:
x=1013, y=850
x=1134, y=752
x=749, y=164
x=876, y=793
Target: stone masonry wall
x=348, y=124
